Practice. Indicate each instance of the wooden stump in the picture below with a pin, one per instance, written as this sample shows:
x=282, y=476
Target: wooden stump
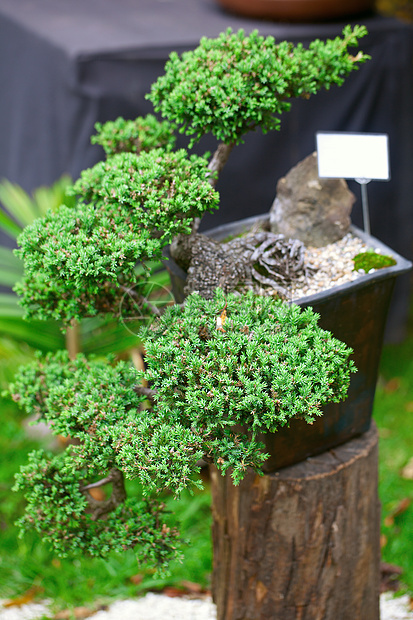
x=302, y=543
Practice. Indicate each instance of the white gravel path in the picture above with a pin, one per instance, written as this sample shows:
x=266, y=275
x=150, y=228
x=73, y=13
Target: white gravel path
x=160, y=607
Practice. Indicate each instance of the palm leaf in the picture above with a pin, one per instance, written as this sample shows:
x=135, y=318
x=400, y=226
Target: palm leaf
x=18, y=203
x=42, y=335
x=19, y=209
x=9, y=226
x=11, y=268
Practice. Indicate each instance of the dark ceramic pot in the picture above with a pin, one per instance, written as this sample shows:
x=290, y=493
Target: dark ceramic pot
x=297, y=10
x=355, y=313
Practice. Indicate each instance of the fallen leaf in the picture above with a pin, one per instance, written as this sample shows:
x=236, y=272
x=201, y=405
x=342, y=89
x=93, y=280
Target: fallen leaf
x=407, y=471
x=189, y=589
x=173, y=592
x=25, y=598
x=401, y=507
x=409, y=406
x=383, y=541
x=97, y=494
x=392, y=385
x=390, y=574
x=136, y=579
x=78, y=613
x=194, y=588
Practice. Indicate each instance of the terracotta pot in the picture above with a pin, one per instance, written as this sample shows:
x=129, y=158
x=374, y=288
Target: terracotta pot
x=297, y=10
x=354, y=312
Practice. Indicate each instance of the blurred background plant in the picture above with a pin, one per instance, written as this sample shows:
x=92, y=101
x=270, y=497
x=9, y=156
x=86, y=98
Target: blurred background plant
x=398, y=8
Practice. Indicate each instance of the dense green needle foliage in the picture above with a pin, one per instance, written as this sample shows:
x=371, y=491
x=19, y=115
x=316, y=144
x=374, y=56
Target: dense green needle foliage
x=220, y=371
x=90, y=401
x=235, y=83
x=100, y=406
x=79, y=261
x=162, y=191
x=232, y=368
x=57, y=509
x=134, y=136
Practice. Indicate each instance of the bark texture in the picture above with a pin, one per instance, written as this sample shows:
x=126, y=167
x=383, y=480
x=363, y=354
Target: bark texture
x=302, y=543
x=245, y=263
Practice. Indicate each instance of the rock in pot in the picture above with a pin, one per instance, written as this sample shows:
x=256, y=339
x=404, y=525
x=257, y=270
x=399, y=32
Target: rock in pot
x=315, y=211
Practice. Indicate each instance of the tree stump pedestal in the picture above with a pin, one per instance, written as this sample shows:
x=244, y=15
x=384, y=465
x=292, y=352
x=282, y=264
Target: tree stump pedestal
x=302, y=543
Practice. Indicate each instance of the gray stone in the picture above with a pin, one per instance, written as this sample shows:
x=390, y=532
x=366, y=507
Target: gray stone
x=315, y=211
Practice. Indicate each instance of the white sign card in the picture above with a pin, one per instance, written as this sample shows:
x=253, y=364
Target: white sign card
x=353, y=156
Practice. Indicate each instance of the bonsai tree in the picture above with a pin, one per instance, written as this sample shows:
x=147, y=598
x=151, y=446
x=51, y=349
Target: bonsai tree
x=220, y=371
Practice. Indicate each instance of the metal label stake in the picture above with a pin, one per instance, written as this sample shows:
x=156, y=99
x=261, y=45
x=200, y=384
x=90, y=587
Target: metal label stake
x=365, y=204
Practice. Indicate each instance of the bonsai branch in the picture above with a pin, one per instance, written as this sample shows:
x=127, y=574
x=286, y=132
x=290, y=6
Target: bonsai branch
x=218, y=161
x=98, y=509
x=99, y=483
x=145, y=391
x=215, y=166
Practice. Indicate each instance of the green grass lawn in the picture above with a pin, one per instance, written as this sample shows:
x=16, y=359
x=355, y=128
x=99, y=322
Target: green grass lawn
x=393, y=412
x=25, y=563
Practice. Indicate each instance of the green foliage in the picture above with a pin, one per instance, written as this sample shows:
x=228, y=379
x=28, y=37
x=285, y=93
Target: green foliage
x=88, y=400
x=69, y=394
x=78, y=261
x=56, y=509
x=235, y=83
x=67, y=582
x=372, y=260
x=162, y=455
x=267, y=363
x=161, y=192
x=100, y=406
x=134, y=136
x=221, y=371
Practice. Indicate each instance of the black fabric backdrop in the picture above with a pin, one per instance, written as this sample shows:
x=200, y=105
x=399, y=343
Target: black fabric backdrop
x=65, y=64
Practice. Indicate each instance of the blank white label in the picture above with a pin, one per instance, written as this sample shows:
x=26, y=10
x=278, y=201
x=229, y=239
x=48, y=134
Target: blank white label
x=353, y=156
